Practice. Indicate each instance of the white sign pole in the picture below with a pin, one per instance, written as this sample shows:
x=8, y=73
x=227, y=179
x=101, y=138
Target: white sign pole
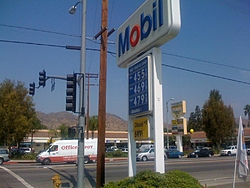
x=158, y=111
x=131, y=149
x=179, y=142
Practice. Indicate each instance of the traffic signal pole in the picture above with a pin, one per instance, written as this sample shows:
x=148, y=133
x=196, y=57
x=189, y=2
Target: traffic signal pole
x=81, y=121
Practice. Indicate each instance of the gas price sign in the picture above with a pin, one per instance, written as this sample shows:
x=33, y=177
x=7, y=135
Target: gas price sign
x=139, y=87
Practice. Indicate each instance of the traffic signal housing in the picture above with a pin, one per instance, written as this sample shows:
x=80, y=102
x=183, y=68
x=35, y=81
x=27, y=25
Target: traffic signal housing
x=32, y=89
x=71, y=132
x=71, y=92
x=42, y=78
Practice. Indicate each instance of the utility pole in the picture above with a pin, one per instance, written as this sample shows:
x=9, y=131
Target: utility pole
x=81, y=120
x=88, y=76
x=100, y=172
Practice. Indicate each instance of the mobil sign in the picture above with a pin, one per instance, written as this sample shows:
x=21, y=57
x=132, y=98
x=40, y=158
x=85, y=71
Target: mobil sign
x=154, y=23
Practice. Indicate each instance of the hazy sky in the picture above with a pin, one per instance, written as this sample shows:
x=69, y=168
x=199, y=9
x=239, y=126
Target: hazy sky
x=211, y=51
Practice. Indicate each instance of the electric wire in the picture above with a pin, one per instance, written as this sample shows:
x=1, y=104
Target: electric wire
x=40, y=30
x=49, y=45
x=206, y=74
x=240, y=9
x=113, y=54
x=54, y=32
x=204, y=61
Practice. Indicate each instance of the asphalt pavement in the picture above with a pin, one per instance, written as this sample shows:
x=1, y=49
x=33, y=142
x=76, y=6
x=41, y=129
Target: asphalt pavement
x=217, y=184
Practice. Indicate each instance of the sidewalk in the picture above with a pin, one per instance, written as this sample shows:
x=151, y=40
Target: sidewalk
x=34, y=161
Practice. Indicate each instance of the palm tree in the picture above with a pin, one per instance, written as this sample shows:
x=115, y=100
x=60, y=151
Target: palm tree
x=93, y=124
x=247, y=112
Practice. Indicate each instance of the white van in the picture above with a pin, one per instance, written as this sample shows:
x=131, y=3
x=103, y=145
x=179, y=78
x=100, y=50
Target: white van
x=66, y=151
x=146, y=146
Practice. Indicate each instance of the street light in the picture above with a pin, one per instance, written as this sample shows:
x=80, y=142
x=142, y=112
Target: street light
x=81, y=120
x=72, y=9
x=167, y=122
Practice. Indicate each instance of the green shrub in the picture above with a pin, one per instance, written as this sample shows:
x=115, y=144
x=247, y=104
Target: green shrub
x=216, y=151
x=180, y=179
x=29, y=156
x=149, y=179
x=117, y=153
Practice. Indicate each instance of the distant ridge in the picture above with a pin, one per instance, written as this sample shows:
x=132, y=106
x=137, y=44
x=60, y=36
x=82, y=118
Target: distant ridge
x=55, y=119
x=113, y=122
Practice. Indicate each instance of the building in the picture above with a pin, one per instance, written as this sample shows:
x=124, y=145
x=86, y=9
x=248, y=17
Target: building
x=41, y=139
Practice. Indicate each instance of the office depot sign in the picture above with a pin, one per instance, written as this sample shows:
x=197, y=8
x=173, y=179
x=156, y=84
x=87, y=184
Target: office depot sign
x=154, y=23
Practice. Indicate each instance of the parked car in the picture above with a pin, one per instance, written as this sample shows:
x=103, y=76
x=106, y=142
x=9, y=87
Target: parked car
x=205, y=152
x=147, y=154
x=109, y=150
x=229, y=150
x=114, y=148
x=4, y=155
x=146, y=146
x=174, y=153
x=248, y=151
x=125, y=150
x=172, y=147
x=24, y=150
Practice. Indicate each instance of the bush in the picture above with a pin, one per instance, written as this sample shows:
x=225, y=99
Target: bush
x=117, y=153
x=180, y=179
x=29, y=156
x=150, y=179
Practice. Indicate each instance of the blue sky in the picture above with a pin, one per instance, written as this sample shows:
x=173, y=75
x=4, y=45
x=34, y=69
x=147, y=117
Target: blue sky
x=213, y=40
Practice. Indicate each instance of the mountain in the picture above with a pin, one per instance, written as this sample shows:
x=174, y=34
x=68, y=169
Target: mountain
x=54, y=120
x=113, y=122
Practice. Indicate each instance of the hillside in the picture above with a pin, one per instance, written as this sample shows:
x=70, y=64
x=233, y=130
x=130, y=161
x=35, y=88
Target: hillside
x=113, y=122
x=54, y=120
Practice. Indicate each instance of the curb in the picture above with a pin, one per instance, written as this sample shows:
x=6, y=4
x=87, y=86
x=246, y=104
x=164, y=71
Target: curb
x=34, y=161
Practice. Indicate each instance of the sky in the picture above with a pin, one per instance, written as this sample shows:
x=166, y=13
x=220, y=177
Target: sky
x=211, y=52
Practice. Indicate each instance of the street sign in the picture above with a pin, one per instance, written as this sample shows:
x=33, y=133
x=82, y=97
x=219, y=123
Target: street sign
x=178, y=109
x=141, y=128
x=179, y=126
x=139, y=80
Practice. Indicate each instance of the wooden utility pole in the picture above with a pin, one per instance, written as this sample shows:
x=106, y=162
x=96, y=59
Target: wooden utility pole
x=88, y=76
x=100, y=172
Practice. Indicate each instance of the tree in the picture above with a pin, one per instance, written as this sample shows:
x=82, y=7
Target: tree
x=195, y=121
x=218, y=119
x=17, y=113
x=247, y=112
x=93, y=124
x=63, y=130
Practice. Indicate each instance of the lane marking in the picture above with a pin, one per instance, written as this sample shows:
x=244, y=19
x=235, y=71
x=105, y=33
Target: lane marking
x=17, y=177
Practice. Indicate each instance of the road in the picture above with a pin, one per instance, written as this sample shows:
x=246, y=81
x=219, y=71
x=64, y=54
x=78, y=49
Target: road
x=216, y=172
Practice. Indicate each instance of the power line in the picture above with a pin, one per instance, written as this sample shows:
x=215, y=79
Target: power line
x=113, y=54
x=49, y=45
x=204, y=61
x=206, y=74
x=54, y=32
x=242, y=10
x=32, y=43
x=40, y=30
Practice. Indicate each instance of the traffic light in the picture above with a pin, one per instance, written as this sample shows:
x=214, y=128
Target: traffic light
x=32, y=89
x=42, y=78
x=71, y=92
x=71, y=132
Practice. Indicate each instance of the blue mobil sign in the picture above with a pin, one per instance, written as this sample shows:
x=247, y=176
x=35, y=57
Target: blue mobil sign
x=154, y=23
x=139, y=80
